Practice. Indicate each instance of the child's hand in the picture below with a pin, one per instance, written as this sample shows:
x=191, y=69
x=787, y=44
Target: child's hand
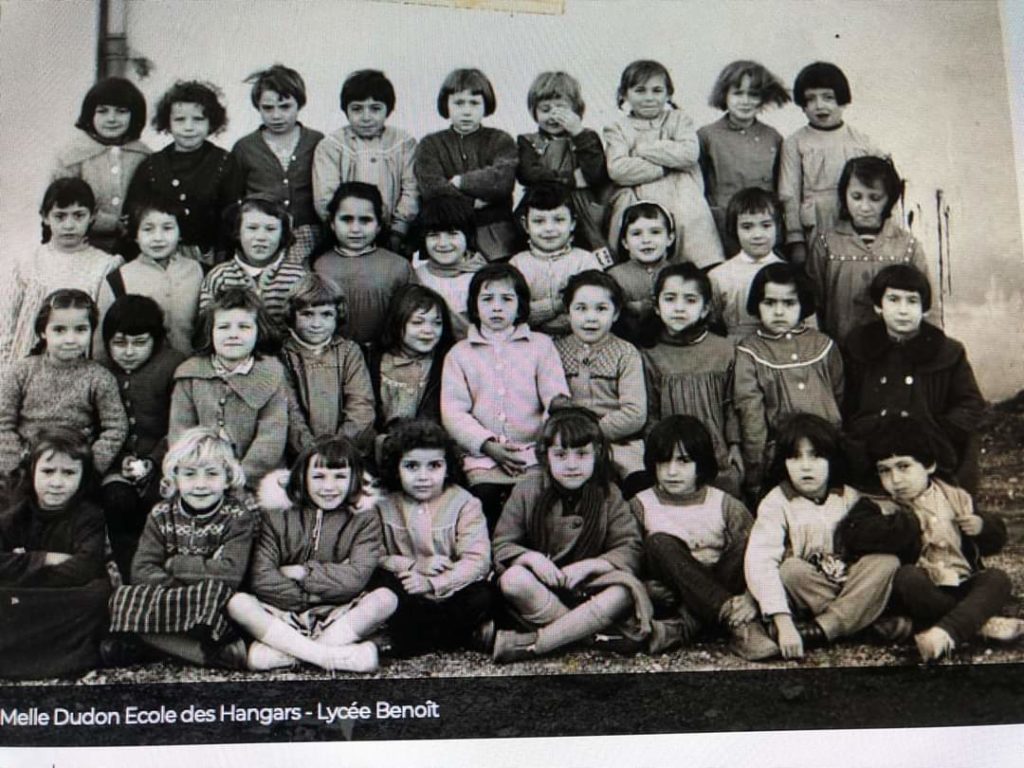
x=414, y=583
x=294, y=572
x=544, y=569
x=739, y=610
x=456, y=181
x=736, y=458
x=432, y=566
x=790, y=642
x=508, y=458
x=55, y=558
x=18, y=551
x=971, y=525
x=577, y=573
x=569, y=120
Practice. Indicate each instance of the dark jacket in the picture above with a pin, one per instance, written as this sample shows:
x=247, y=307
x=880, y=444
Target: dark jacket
x=77, y=530
x=430, y=402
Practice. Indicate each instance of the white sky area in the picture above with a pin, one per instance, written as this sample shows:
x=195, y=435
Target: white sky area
x=928, y=79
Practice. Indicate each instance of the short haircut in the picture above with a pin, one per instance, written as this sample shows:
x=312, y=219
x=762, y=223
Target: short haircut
x=825, y=439
x=200, y=445
x=264, y=203
x=367, y=84
x=781, y=273
x=553, y=85
x=62, y=298
x=206, y=95
x=447, y=213
x=690, y=273
x=332, y=452
x=280, y=79
x=158, y=203
x=409, y=435
x=902, y=277
x=641, y=71
x=901, y=436
x=361, y=191
x=315, y=290
x=235, y=298
x=406, y=301
x=495, y=273
x=751, y=200
x=761, y=80
x=693, y=439
x=821, y=74
x=114, y=92
x=71, y=443
x=645, y=209
x=62, y=193
x=870, y=170
x=575, y=427
x=134, y=315
x=597, y=279
x=472, y=80
x=546, y=196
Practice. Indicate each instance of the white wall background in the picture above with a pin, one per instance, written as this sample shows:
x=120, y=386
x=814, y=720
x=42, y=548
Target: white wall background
x=928, y=80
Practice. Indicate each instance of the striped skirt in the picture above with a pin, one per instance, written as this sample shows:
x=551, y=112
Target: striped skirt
x=156, y=609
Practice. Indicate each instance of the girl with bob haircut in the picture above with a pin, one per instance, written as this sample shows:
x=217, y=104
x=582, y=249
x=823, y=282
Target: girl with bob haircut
x=311, y=565
x=567, y=546
x=53, y=585
x=437, y=553
x=864, y=241
x=473, y=161
x=105, y=153
x=203, y=177
x=192, y=556
x=653, y=155
x=737, y=151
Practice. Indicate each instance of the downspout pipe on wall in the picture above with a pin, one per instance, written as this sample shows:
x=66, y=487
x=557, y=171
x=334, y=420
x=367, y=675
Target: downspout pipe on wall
x=112, y=38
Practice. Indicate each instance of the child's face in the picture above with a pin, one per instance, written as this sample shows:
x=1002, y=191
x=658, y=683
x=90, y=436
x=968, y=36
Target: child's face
x=111, y=122
x=680, y=304
x=550, y=231
x=648, y=99
x=234, y=334
x=743, y=101
x=202, y=484
x=592, y=313
x=866, y=203
x=367, y=117
x=422, y=472
x=278, y=112
x=68, y=225
x=466, y=111
x=189, y=126
x=756, y=233
x=780, y=308
x=647, y=240
x=678, y=475
x=259, y=234
x=328, y=487
x=904, y=477
x=549, y=114
x=902, y=312
x=808, y=472
x=822, y=108
x=56, y=479
x=422, y=331
x=316, y=324
x=355, y=224
x=571, y=467
x=131, y=352
x=497, y=305
x=445, y=248
x=158, y=235
x=67, y=334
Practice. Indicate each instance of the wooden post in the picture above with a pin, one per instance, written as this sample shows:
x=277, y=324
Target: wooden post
x=112, y=48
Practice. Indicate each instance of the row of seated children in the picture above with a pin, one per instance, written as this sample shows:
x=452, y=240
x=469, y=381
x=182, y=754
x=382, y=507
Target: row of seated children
x=217, y=581
x=652, y=153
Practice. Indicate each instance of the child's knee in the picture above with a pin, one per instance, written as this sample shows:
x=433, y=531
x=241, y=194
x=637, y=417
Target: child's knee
x=794, y=572
x=883, y=566
x=663, y=546
x=910, y=579
x=995, y=581
x=384, y=602
x=519, y=583
x=241, y=604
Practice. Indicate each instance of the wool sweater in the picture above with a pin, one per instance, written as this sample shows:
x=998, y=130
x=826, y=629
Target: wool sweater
x=734, y=157
x=451, y=526
x=657, y=160
x=608, y=378
x=260, y=172
x=38, y=392
x=790, y=525
x=77, y=530
x=621, y=544
x=386, y=161
x=339, y=549
x=272, y=285
x=730, y=286
x=547, y=274
x=841, y=265
x=107, y=169
x=250, y=410
x=178, y=548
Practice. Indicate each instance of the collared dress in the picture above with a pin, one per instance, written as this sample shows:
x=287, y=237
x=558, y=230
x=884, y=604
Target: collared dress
x=547, y=274
x=730, y=286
